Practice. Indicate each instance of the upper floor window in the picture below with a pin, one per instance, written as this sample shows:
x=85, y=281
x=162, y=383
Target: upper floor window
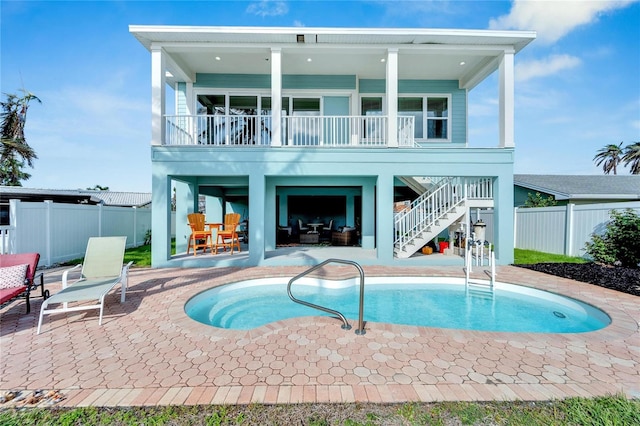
x=431, y=116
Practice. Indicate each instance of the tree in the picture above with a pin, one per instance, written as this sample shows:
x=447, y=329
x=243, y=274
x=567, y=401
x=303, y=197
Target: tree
x=539, y=201
x=14, y=151
x=631, y=157
x=611, y=156
x=99, y=188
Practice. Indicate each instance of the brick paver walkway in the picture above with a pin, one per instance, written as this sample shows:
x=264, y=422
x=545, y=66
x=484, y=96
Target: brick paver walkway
x=147, y=352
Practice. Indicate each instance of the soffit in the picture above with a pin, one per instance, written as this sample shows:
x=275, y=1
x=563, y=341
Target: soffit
x=423, y=54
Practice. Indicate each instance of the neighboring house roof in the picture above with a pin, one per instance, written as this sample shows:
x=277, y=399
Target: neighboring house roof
x=76, y=196
x=582, y=187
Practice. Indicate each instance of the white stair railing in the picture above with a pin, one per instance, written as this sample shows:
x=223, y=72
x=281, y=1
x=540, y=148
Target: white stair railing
x=433, y=206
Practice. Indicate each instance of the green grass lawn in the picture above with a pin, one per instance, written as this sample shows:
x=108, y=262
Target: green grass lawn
x=141, y=256
x=528, y=257
x=609, y=410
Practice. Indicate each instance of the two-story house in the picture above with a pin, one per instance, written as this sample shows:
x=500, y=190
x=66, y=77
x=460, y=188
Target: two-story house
x=289, y=126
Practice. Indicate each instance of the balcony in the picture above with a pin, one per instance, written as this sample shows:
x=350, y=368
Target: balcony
x=297, y=131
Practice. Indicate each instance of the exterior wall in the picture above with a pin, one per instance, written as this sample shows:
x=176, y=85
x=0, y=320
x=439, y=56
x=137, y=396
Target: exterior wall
x=263, y=81
x=181, y=99
x=373, y=170
x=458, y=99
x=458, y=108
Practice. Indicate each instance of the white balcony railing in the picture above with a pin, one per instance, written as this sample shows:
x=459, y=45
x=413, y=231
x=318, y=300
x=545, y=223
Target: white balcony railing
x=331, y=131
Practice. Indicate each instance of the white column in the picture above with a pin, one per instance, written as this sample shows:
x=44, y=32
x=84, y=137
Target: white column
x=506, y=100
x=392, y=97
x=158, y=93
x=276, y=97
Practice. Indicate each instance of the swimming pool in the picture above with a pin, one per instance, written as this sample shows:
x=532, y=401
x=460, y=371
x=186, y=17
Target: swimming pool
x=420, y=301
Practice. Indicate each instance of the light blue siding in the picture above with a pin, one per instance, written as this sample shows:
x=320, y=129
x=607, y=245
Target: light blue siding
x=346, y=82
x=233, y=81
x=181, y=99
x=336, y=132
x=263, y=81
x=372, y=86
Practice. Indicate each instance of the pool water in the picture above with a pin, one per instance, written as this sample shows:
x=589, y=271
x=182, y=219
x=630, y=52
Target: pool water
x=406, y=301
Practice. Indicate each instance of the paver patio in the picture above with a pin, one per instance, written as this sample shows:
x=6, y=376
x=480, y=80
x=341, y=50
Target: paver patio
x=147, y=352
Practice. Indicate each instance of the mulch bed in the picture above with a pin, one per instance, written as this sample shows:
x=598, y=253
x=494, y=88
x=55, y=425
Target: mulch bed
x=626, y=280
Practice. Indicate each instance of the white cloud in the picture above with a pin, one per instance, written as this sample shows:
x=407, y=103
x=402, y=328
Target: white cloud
x=268, y=8
x=552, y=20
x=297, y=23
x=543, y=67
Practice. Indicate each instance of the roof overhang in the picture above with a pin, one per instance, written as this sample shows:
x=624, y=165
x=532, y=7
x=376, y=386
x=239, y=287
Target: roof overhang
x=467, y=56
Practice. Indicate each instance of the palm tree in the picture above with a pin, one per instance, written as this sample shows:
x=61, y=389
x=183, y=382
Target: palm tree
x=15, y=151
x=632, y=156
x=611, y=156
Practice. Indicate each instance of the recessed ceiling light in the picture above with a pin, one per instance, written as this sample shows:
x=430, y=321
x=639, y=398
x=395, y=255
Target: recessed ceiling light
x=217, y=58
x=462, y=63
x=308, y=59
x=383, y=60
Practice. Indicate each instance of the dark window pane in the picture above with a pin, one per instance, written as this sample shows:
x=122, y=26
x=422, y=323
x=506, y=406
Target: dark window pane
x=437, y=107
x=437, y=129
x=410, y=104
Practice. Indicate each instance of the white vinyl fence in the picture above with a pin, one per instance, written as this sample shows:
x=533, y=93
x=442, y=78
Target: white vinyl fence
x=59, y=232
x=557, y=230
x=563, y=229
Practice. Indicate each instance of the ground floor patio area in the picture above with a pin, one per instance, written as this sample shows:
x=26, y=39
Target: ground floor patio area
x=148, y=352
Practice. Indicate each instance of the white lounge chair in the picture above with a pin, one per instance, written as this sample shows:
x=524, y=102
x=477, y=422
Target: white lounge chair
x=101, y=271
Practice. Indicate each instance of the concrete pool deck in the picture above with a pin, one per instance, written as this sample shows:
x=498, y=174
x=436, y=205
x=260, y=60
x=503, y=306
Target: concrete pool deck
x=148, y=352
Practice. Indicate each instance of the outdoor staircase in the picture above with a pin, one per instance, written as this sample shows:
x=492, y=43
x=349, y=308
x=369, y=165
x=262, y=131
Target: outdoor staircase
x=437, y=209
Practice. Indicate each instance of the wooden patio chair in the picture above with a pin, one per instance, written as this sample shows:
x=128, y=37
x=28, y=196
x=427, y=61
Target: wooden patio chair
x=200, y=237
x=228, y=235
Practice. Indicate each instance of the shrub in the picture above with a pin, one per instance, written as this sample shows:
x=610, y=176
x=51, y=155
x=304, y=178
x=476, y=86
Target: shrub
x=620, y=243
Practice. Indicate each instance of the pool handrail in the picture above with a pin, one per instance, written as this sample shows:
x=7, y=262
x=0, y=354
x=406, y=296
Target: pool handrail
x=345, y=324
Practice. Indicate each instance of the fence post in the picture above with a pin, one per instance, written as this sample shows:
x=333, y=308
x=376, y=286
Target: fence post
x=48, y=230
x=568, y=236
x=99, y=220
x=135, y=226
x=12, y=244
x=515, y=227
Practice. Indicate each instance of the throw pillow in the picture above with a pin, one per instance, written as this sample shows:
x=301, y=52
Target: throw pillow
x=13, y=276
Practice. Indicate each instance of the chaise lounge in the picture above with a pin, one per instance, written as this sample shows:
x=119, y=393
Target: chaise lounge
x=18, y=276
x=101, y=271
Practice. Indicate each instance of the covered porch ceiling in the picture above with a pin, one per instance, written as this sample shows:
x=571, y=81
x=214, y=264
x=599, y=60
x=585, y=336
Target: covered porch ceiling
x=467, y=56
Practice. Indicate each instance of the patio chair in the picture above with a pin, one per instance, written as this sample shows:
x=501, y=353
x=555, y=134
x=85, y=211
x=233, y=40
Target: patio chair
x=18, y=276
x=303, y=229
x=326, y=231
x=101, y=271
x=200, y=237
x=228, y=235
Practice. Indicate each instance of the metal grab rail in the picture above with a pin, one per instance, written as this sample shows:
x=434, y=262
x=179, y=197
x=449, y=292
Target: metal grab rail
x=345, y=323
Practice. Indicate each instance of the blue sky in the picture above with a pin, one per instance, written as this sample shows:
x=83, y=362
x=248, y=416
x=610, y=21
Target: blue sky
x=577, y=85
